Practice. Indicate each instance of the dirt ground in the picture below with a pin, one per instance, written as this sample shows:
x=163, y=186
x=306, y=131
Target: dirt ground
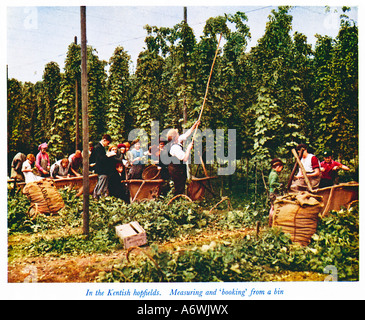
x=86, y=268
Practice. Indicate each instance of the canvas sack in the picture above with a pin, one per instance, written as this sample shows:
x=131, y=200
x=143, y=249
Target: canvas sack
x=297, y=214
x=44, y=197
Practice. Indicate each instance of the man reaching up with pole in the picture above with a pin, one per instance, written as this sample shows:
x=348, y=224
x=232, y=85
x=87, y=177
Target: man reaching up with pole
x=178, y=157
x=178, y=169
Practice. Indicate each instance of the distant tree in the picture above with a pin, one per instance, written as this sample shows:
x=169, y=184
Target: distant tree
x=51, y=85
x=148, y=102
x=234, y=96
x=62, y=133
x=277, y=61
x=120, y=93
x=97, y=95
x=336, y=91
x=14, y=102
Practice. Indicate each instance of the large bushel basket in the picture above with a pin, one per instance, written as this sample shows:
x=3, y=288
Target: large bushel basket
x=197, y=186
x=298, y=214
x=44, y=198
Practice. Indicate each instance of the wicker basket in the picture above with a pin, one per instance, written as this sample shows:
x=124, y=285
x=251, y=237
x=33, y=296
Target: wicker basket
x=152, y=172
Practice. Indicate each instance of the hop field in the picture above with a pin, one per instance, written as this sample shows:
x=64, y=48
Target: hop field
x=187, y=242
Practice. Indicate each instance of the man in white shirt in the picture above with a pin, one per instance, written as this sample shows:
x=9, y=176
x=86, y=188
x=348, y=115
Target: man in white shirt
x=179, y=157
x=312, y=167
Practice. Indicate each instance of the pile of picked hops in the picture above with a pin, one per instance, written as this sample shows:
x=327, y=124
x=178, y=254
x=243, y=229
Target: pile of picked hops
x=44, y=198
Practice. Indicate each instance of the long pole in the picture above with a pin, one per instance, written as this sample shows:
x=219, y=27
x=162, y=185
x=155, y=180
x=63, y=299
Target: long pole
x=77, y=135
x=185, y=114
x=206, y=90
x=306, y=179
x=294, y=170
x=85, y=123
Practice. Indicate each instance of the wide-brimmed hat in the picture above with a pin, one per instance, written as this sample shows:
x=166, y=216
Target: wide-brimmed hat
x=134, y=142
x=275, y=162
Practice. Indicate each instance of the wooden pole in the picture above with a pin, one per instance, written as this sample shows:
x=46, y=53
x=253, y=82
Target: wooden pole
x=85, y=123
x=205, y=98
x=294, y=170
x=206, y=90
x=309, y=186
x=185, y=114
x=77, y=135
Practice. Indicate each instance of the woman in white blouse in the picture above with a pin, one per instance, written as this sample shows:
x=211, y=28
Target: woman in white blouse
x=28, y=171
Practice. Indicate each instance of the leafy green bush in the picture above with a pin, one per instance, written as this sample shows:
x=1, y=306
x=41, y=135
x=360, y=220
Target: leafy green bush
x=336, y=243
x=17, y=206
x=18, y=220
x=252, y=258
x=160, y=220
x=237, y=260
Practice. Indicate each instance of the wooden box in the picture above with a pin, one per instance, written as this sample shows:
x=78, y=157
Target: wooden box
x=131, y=234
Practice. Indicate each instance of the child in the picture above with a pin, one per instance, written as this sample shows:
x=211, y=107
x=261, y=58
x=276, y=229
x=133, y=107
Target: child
x=274, y=184
x=117, y=188
x=28, y=171
x=136, y=161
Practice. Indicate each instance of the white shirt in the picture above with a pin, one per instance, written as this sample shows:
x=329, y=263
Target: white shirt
x=307, y=163
x=176, y=149
x=29, y=176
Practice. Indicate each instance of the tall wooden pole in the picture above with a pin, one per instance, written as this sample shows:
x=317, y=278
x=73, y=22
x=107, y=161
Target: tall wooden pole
x=306, y=179
x=85, y=123
x=206, y=90
x=185, y=114
x=294, y=170
x=77, y=135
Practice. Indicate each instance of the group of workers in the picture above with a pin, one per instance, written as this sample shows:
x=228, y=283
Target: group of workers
x=22, y=166
x=109, y=182
x=319, y=174
x=119, y=163
x=112, y=163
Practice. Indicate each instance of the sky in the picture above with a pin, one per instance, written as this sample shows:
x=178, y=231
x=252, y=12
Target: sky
x=36, y=35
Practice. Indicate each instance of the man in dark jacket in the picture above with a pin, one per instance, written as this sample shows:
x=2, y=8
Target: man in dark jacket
x=101, y=166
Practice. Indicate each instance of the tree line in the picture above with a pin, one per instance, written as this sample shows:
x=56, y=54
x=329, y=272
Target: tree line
x=279, y=93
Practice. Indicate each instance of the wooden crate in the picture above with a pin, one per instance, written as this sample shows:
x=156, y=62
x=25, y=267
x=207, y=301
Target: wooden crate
x=131, y=234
